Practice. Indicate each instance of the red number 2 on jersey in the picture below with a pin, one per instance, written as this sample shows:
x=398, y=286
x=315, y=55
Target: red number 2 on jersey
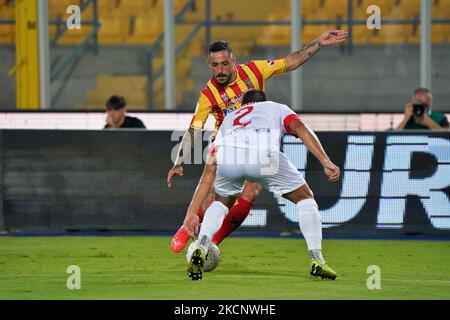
x=237, y=121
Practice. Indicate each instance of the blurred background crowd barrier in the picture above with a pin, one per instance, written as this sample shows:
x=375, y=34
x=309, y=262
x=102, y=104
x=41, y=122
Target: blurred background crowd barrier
x=68, y=181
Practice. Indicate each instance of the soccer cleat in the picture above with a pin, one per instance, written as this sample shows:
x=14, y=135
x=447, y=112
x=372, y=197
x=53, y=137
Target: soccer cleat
x=322, y=270
x=195, y=268
x=179, y=240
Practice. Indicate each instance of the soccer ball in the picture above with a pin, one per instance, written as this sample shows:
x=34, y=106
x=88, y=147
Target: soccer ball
x=212, y=257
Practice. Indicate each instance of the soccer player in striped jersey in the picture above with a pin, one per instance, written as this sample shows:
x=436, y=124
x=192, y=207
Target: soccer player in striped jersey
x=223, y=94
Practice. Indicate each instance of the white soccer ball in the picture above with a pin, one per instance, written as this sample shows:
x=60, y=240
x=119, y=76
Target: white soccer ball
x=212, y=257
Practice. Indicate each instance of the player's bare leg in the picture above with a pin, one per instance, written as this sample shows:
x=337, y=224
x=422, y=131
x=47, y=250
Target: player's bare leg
x=239, y=212
x=311, y=227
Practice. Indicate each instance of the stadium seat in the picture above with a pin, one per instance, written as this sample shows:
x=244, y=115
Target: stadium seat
x=107, y=6
x=390, y=34
x=58, y=8
x=335, y=8
x=237, y=33
x=441, y=9
x=360, y=34
x=310, y=32
x=73, y=37
x=275, y=35
x=385, y=5
x=308, y=7
x=133, y=88
x=440, y=34
x=182, y=31
x=146, y=29
x=395, y=13
x=7, y=33
x=411, y=8
x=128, y=7
x=114, y=30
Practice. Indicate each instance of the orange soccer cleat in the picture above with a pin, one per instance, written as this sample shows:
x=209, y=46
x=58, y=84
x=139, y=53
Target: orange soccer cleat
x=180, y=240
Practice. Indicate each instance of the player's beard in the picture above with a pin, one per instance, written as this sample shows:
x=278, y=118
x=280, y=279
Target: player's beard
x=227, y=81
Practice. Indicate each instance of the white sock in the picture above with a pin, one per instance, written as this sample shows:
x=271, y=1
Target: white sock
x=310, y=223
x=212, y=221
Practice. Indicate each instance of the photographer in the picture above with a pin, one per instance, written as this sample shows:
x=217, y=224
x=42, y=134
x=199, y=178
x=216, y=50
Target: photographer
x=418, y=114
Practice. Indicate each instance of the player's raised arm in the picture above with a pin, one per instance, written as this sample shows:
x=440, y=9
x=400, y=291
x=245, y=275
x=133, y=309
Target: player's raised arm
x=312, y=143
x=328, y=38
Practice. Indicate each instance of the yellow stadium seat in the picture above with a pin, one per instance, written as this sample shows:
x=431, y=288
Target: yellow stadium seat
x=309, y=7
x=237, y=33
x=440, y=34
x=182, y=31
x=411, y=8
x=390, y=34
x=114, y=30
x=74, y=37
x=107, y=6
x=396, y=13
x=441, y=9
x=312, y=32
x=335, y=8
x=7, y=12
x=58, y=8
x=7, y=33
x=134, y=88
x=136, y=6
x=275, y=35
x=360, y=34
x=385, y=5
x=146, y=29
x=183, y=66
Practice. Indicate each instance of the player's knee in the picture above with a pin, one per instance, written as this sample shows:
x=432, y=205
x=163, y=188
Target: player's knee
x=251, y=192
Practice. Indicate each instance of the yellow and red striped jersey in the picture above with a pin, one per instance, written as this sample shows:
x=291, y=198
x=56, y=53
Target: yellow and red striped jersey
x=219, y=100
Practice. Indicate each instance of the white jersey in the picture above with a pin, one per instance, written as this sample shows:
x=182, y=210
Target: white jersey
x=256, y=125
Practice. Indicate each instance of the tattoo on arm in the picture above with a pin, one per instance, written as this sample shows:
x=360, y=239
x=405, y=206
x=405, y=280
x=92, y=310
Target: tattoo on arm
x=187, y=144
x=304, y=54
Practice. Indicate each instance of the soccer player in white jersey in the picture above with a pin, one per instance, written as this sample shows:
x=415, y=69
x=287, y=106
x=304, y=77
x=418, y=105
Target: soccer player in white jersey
x=248, y=147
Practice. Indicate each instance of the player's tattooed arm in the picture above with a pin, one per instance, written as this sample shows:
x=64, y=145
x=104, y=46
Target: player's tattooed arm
x=184, y=151
x=187, y=144
x=298, y=58
x=328, y=38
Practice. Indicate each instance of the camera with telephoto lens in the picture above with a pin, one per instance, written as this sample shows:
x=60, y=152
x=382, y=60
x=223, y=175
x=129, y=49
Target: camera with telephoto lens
x=418, y=109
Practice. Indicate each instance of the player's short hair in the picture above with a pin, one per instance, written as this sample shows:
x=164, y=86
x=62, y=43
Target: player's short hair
x=116, y=103
x=219, y=46
x=254, y=96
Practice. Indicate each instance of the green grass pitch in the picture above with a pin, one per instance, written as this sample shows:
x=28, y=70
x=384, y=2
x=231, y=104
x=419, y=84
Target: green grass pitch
x=251, y=268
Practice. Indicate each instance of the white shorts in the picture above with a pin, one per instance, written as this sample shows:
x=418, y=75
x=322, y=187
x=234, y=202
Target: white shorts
x=272, y=169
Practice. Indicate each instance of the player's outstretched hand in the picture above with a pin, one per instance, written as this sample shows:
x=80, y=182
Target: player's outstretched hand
x=191, y=224
x=175, y=171
x=332, y=171
x=332, y=37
